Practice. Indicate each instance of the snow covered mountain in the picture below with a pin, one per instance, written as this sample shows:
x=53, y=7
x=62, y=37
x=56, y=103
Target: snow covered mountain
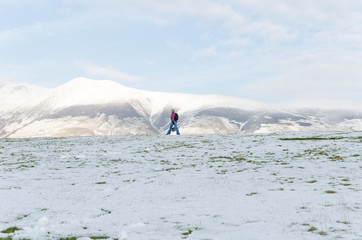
x=92, y=107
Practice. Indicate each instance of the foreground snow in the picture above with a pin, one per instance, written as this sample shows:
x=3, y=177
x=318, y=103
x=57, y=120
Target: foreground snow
x=276, y=186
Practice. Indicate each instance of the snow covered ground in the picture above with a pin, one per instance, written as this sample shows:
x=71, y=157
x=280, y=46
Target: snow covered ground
x=257, y=186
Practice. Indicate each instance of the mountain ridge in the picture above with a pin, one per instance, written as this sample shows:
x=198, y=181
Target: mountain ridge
x=83, y=107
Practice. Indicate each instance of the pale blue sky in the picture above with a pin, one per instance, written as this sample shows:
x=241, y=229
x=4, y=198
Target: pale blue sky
x=258, y=49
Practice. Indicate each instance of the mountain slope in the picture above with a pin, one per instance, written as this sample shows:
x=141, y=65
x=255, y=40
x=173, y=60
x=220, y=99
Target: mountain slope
x=15, y=95
x=92, y=107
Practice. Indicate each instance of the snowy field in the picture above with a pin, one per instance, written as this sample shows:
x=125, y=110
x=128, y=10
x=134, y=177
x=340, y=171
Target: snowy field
x=241, y=187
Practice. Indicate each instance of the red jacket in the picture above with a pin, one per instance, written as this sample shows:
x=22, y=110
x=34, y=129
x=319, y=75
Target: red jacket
x=172, y=116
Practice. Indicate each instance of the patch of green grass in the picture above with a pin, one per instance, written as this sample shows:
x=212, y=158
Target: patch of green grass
x=106, y=211
x=343, y=222
x=322, y=153
x=310, y=139
x=346, y=184
x=251, y=194
x=315, y=152
x=221, y=157
x=187, y=233
x=312, y=229
x=26, y=166
x=223, y=171
x=322, y=233
x=7, y=238
x=330, y=192
x=170, y=169
x=21, y=217
x=231, y=159
x=118, y=160
x=11, y=230
x=335, y=158
x=165, y=162
x=100, y=182
x=129, y=180
x=312, y=181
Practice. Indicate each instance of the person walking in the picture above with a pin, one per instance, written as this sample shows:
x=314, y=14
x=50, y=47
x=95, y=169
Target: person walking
x=174, y=118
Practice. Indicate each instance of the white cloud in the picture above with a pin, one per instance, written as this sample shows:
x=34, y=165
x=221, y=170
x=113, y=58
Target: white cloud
x=206, y=52
x=317, y=74
x=18, y=33
x=243, y=42
x=109, y=73
x=41, y=29
x=278, y=20
x=164, y=11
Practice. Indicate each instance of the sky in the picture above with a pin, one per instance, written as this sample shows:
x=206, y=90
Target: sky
x=257, y=49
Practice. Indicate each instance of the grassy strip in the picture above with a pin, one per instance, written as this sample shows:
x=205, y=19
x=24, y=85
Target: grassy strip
x=11, y=230
x=311, y=139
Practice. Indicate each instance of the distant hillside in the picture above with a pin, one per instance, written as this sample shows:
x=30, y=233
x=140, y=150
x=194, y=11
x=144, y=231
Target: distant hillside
x=85, y=107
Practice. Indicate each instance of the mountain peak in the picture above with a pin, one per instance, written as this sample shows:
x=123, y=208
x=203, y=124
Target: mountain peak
x=80, y=81
x=83, y=82
x=85, y=91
